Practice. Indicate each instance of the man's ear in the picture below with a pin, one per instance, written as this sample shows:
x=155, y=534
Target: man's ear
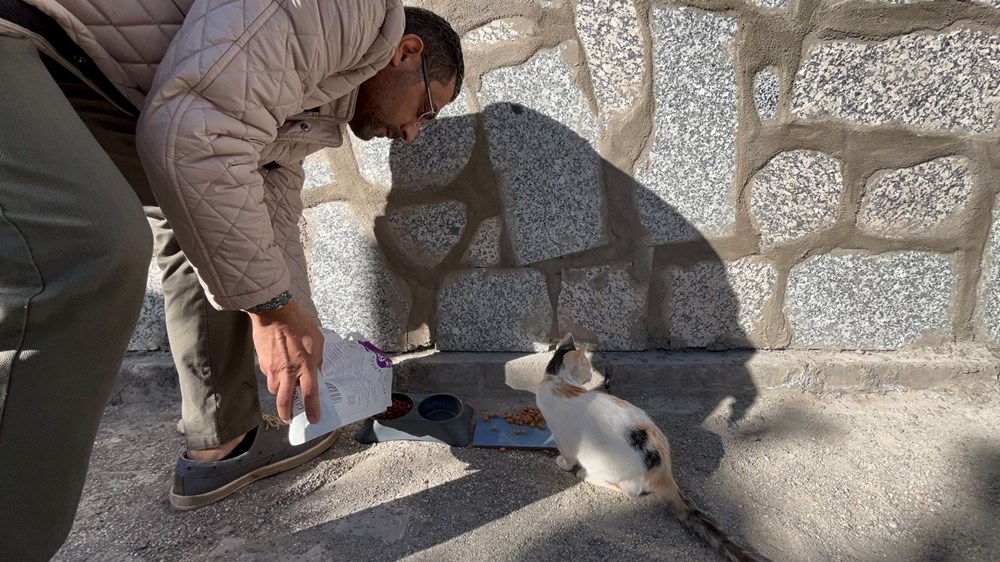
x=408, y=51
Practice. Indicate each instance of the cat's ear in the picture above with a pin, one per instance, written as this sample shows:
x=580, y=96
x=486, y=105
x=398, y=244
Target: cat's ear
x=567, y=342
x=571, y=360
x=578, y=367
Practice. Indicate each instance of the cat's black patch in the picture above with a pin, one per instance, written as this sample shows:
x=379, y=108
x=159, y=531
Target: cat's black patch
x=652, y=459
x=637, y=438
x=557, y=360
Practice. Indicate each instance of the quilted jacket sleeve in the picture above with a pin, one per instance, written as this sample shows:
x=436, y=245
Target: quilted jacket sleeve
x=233, y=74
x=285, y=207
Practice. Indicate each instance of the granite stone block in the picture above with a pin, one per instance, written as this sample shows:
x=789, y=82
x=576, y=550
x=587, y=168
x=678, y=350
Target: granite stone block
x=935, y=82
x=765, y=93
x=989, y=284
x=484, y=250
x=353, y=287
x=318, y=171
x=426, y=233
x=794, y=194
x=609, y=32
x=719, y=305
x=691, y=166
x=861, y=301
x=506, y=310
x=923, y=200
x=605, y=306
x=542, y=145
x=151, y=330
x=497, y=32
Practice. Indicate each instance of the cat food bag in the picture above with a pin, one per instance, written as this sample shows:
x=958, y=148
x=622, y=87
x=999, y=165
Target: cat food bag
x=355, y=382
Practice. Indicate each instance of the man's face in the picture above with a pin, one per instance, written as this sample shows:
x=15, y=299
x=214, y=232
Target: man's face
x=390, y=103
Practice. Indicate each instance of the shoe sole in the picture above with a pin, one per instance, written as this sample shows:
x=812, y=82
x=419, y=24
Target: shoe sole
x=187, y=503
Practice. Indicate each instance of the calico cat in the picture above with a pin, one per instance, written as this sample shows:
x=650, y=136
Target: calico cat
x=611, y=443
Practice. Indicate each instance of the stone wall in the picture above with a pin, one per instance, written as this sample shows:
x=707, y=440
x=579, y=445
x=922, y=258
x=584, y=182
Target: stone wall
x=700, y=174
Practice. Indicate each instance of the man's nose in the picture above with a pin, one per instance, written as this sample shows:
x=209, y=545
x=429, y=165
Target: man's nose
x=409, y=133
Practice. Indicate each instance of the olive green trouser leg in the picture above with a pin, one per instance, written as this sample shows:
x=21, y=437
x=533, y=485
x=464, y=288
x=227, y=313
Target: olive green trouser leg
x=74, y=251
x=212, y=349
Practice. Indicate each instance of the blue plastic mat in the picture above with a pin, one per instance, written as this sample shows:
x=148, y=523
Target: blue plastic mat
x=498, y=433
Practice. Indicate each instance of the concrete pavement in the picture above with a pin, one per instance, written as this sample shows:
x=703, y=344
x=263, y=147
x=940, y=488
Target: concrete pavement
x=802, y=476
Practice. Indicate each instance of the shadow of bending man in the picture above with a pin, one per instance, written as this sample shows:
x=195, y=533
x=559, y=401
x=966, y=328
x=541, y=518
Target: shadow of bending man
x=574, y=217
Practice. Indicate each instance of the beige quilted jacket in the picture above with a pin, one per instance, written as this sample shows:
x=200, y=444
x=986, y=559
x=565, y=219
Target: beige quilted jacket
x=234, y=94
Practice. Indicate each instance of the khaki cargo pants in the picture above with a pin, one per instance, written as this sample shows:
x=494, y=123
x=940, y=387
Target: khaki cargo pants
x=74, y=254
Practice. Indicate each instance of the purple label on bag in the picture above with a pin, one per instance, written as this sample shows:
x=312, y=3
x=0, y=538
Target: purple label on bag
x=380, y=356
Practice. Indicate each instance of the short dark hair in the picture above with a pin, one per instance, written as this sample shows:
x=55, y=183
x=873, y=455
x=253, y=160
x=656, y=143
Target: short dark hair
x=442, y=46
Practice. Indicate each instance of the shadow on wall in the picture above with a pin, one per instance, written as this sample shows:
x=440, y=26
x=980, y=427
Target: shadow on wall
x=570, y=253
x=549, y=239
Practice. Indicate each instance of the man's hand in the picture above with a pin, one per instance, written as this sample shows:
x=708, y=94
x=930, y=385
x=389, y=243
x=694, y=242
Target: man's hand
x=290, y=350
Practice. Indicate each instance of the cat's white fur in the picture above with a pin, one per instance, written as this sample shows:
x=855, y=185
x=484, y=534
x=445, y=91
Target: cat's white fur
x=609, y=442
x=590, y=431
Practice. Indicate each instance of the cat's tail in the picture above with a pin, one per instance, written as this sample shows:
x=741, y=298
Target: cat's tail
x=700, y=523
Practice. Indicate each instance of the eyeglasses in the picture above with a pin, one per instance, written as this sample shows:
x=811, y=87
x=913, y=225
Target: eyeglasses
x=426, y=117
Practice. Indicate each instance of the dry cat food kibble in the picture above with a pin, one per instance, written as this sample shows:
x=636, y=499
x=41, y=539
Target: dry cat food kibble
x=528, y=416
x=398, y=408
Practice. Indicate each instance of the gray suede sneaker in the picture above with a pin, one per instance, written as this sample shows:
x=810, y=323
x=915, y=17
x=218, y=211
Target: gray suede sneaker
x=197, y=484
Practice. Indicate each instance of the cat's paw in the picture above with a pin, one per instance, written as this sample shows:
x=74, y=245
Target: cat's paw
x=564, y=464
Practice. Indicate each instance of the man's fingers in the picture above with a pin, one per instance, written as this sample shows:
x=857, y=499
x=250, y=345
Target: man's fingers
x=309, y=386
x=285, y=396
x=318, y=353
x=290, y=349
